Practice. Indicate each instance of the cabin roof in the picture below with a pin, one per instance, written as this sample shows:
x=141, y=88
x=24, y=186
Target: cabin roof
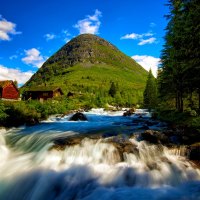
x=44, y=89
x=5, y=83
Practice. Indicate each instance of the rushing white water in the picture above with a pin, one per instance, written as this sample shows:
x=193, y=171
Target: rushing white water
x=31, y=168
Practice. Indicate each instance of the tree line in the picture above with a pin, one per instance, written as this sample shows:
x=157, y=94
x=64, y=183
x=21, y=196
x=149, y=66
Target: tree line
x=179, y=76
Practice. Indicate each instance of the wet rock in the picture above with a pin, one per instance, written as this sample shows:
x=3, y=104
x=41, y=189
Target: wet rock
x=193, y=152
x=152, y=166
x=130, y=148
x=123, y=145
x=109, y=134
x=78, y=117
x=149, y=136
x=61, y=143
x=31, y=122
x=154, y=137
x=129, y=112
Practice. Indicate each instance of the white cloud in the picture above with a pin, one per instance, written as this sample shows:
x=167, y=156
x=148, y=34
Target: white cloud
x=14, y=74
x=49, y=36
x=144, y=38
x=149, y=34
x=135, y=36
x=90, y=24
x=148, y=62
x=33, y=57
x=6, y=29
x=147, y=41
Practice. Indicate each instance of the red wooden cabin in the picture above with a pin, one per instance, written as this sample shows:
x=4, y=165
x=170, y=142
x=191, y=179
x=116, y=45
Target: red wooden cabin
x=8, y=90
x=42, y=93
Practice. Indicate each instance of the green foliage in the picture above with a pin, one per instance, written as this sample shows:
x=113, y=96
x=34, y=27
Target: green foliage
x=30, y=112
x=195, y=122
x=150, y=92
x=175, y=117
x=17, y=113
x=184, y=119
x=179, y=78
x=3, y=114
x=180, y=75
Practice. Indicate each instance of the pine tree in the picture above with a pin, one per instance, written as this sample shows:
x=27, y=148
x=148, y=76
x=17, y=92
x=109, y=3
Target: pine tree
x=150, y=92
x=113, y=90
x=180, y=74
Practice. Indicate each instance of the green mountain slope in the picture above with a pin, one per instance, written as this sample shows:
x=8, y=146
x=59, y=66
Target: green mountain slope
x=87, y=65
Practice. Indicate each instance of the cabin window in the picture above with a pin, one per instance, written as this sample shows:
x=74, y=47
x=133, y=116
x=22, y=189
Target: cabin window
x=45, y=94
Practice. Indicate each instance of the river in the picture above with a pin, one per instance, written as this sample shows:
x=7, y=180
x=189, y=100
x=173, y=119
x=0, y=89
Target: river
x=34, y=167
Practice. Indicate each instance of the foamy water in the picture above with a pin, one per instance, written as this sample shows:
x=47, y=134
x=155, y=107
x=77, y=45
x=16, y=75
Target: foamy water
x=93, y=168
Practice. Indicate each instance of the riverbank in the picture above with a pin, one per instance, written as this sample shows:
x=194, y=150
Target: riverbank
x=186, y=120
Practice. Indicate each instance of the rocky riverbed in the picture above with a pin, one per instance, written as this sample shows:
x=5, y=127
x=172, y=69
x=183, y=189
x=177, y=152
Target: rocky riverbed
x=105, y=156
x=141, y=127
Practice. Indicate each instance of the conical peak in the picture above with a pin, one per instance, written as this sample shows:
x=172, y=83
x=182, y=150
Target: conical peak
x=84, y=48
x=90, y=39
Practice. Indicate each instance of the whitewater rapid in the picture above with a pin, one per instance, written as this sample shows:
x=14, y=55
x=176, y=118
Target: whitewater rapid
x=32, y=168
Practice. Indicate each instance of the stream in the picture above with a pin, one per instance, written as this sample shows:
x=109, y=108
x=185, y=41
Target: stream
x=100, y=158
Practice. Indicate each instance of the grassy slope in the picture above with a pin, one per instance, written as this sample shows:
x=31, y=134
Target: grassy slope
x=98, y=75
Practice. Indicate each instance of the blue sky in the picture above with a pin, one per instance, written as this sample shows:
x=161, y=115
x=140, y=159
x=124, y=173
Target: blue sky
x=31, y=31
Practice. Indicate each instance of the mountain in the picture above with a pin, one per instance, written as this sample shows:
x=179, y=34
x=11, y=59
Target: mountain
x=88, y=65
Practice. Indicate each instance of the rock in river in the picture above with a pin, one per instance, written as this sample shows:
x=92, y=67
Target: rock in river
x=78, y=117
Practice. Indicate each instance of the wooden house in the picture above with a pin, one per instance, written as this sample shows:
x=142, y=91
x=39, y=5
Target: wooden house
x=42, y=93
x=8, y=90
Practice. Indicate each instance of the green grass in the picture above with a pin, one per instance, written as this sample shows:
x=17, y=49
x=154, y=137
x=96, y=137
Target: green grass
x=181, y=119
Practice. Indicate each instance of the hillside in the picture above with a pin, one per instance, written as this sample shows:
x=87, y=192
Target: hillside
x=87, y=65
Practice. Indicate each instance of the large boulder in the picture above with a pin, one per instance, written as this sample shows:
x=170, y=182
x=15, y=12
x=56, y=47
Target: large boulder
x=129, y=112
x=123, y=145
x=78, y=117
x=154, y=137
x=61, y=143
